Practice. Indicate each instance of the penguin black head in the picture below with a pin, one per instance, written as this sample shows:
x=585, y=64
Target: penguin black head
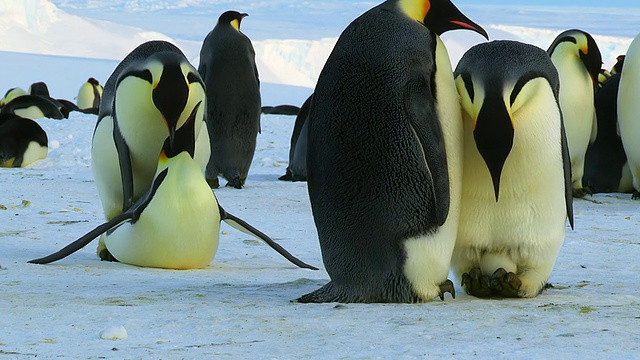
x=495, y=80
x=617, y=68
x=168, y=79
x=93, y=81
x=439, y=16
x=588, y=50
x=232, y=17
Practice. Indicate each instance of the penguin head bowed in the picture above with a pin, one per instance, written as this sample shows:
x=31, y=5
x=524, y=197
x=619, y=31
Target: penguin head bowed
x=232, y=17
x=439, y=16
x=583, y=45
x=165, y=90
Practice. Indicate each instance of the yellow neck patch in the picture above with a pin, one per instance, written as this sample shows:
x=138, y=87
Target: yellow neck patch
x=415, y=9
x=236, y=24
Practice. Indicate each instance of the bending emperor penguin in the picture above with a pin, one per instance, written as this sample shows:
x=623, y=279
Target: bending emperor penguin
x=228, y=68
x=88, y=99
x=577, y=58
x=628, y=110
x=22, y=141
x=151, y=94
x=383, y=161
x=516, y=188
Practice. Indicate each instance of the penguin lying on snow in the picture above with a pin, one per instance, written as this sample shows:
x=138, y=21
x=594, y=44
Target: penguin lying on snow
x=383, y=155
x=228, y=68
x=22, y=141
x=176, y=223
x=577, y=58
x=280, y=110
x=12, y=94
x=34, y=107
x=297, y=168
x=516, y=189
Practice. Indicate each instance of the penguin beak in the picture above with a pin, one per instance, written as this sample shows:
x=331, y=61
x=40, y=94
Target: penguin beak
x=443, y=16
x=493, y=134
x=170, y=97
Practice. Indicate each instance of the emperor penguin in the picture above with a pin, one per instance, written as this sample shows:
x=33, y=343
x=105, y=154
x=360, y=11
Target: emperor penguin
x=384, y=156
x=619, y=65
x=151, y=94
x=88, y=99
x=175, y=224
x=297, y=168
x=605, y=168
x=516, y=188
x=12, y=94
x=35, y=107
x=628, y=110
x=228, y=68
x=577, y=58
x=39, y=88
x=22, y=141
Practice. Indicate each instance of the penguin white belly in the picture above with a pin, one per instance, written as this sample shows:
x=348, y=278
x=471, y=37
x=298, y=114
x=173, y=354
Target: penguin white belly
x=106, y=168
x=32, y=112
x=34, y=153
x=428, y=257
x=203, y=147
x=577, y=103
x=629, y=108
x=524, y=230
x=179, y=228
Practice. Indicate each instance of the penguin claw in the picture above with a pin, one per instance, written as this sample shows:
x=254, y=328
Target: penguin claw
x=635, y=195
x=476, y=284
x=447, y=287
x=579, y=193
x=213, y=183
x=505, y=284
x=235, y=183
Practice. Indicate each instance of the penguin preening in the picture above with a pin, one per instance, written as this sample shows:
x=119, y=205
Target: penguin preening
x=176, y=223
x=297, y=168
x=516, y=188
x=628, y=110
x=383, y=161
x=89, y=95
x=577, y=58
x=228, y=68
x=605, y=168
x=151, y=94
x=22, y=141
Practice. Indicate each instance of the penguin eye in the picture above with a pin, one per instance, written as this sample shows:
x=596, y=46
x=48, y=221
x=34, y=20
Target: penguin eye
x=468, y=85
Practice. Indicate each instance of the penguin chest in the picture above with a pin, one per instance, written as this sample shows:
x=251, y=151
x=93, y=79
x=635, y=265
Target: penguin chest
x=577, y=103
x=179, y=229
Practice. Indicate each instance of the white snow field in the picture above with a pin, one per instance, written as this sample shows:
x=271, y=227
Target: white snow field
x=240, y=306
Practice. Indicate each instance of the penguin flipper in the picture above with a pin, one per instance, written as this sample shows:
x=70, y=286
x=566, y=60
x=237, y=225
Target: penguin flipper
x=566, y=160
x=243, y=226
x=422, y=118
x=126, y=172
x=82, y=241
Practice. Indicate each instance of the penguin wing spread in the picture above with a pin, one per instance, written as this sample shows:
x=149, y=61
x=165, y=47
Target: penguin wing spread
x=423, y=119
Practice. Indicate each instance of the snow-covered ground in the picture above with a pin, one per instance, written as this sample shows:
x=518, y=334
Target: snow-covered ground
x=239, y=306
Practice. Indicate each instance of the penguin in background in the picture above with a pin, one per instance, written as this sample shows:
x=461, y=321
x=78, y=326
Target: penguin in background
x=383, y=161
x=516, y=188
x=297, y=168
x=577, y=58
x=88, y=99
x=35, y=107
x=606, y=169
x=39, y=88
x=628, y=109
x=228, y=68
x=22, y=141
x=176, y=223
x=12, y=94
x=619, y=65
x=280, y=110
x=150, y=95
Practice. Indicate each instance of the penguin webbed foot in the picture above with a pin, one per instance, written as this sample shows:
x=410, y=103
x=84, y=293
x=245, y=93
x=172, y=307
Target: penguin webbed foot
x=635, y=195
x=579, y=193
x=447, y=287
x=236, y=182
x=105, y=255
x=476, y=284
x=505, y=284
x=213, y=183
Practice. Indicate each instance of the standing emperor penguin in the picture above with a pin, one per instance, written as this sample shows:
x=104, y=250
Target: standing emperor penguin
x=88, y=99
x=628, y=110
x=228, y=68
x=577, y=58
x=516, y=188
x=384, y=156
x=151, y=94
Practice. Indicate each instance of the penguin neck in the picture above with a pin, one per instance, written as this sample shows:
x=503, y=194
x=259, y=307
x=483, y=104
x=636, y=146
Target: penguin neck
x=415, y=9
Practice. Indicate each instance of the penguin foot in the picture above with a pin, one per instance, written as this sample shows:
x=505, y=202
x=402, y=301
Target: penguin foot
x=505, y=284
x=476, y=284
x=236, y=183
x=213, y=183
x=105, y=255
x=635, y=195
x=447, y=287
x=579, y=193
